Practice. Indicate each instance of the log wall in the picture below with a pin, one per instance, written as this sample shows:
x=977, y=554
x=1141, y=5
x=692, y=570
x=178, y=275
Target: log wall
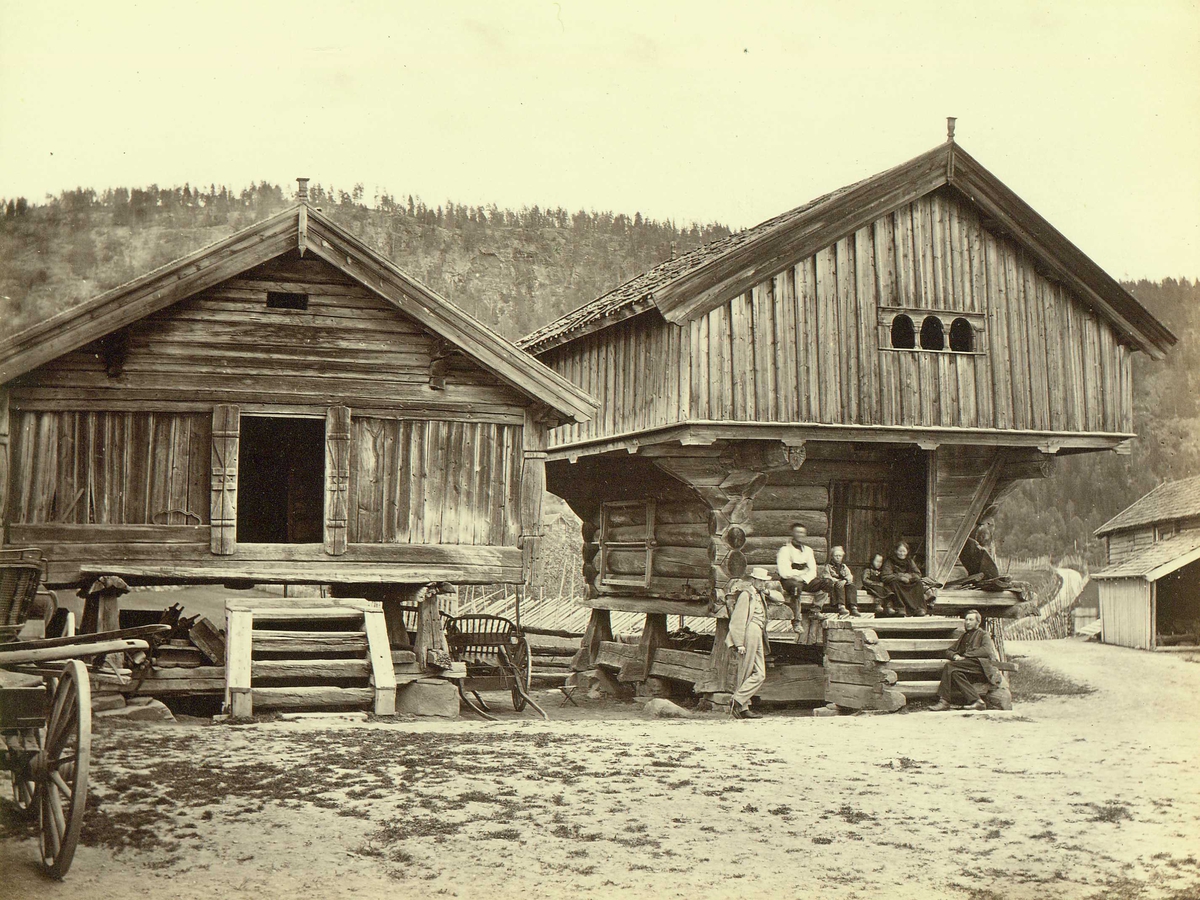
x=812, y=344
x=224, y=345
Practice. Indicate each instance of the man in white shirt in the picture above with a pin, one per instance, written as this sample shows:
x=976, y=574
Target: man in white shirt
x=798, y=567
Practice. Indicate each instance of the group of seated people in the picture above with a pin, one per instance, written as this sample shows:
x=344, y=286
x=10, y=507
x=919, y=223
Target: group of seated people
x=895, y=582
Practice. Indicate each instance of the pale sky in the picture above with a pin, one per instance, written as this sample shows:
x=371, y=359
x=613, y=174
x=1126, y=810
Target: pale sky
x=693, y=111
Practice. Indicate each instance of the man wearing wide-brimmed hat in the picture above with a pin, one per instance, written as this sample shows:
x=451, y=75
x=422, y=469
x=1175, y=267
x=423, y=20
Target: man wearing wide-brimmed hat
x=748, y=634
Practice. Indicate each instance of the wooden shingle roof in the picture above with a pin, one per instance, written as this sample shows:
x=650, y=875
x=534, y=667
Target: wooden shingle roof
x=1159, y=559
x=696, y=282
x=1169, y=501
x=309, y=230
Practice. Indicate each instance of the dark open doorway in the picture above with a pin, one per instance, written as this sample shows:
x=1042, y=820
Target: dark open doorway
x=281, y=481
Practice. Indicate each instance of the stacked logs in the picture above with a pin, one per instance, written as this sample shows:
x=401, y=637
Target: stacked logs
x=681, y=560
x=857, y=675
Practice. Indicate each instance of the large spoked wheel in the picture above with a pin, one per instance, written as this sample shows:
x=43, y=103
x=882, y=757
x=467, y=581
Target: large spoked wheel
x=23, y=786
x=519, y=658
x=60, y=771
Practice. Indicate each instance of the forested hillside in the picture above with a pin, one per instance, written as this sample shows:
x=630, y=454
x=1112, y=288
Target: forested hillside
x=517, y=270
x=514, y=270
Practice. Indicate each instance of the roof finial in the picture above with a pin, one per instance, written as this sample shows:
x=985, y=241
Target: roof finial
x=302, y=190
x=950, y=120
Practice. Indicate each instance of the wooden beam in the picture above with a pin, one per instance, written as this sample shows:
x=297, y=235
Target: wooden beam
x=979, y=500
x=379, y=653
x=239, y=625
x=705, y=432
x=654, y=635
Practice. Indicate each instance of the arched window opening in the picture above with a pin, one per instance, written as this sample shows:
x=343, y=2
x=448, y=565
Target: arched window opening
x=933, y=337
x=962, y=337
x=903, y=335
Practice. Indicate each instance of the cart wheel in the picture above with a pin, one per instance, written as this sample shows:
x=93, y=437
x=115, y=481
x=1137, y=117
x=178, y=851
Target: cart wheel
x=519, y=657
x=61, y=769
x=23, y=786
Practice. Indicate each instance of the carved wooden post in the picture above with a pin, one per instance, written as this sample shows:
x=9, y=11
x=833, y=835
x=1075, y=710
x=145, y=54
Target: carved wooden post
x=599, y=629
x=337, y=479
x=430, y=637
x=226, y=430
x=654, y=635
x=533, y=486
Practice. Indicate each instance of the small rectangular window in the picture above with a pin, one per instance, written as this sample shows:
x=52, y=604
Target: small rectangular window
x=286, y=300
x=627, y=544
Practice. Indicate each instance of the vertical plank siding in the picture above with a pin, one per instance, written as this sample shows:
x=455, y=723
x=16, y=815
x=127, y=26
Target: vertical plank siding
x=110, y=468
x=806, y=345
x=1125, y=610
x=436, y=482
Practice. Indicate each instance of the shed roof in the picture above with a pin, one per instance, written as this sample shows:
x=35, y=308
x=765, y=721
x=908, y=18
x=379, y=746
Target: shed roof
x=1169, y=501
x=696, y=282
x=1157, y=560
x=305, y=228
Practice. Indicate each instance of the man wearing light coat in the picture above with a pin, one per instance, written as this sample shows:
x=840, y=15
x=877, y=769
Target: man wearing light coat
x=748, y=634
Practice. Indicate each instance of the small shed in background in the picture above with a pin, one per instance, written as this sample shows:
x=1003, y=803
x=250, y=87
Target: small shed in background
x=1150, y=589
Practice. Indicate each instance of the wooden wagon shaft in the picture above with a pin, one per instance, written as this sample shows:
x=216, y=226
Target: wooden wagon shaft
x=73, y=651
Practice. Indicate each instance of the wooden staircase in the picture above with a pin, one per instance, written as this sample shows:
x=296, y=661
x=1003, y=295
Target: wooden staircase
x=334, y=656
x=917, y=647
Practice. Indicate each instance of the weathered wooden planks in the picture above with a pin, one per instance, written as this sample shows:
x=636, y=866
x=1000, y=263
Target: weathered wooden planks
x=803, y=345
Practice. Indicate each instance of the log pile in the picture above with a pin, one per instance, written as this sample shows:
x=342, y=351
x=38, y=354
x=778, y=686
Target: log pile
x=189, y=661
x=857, y=675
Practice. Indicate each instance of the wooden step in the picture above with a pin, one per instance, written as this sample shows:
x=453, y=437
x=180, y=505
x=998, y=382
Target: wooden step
x=322, y=696
x=917, y=689
x=930, y=646
x=921, y=624
x=307, y=614
x=310, y=668
x=913, y=666
x=270, y=641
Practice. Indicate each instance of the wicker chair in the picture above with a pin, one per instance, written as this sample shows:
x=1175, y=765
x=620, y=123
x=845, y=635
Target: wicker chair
x=21, y=574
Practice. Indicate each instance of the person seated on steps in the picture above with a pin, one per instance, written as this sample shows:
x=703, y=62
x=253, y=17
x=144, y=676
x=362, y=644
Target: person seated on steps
x=748, y=636
x=797, y=566
x=902, y=576
x=843, y=589
x=872, y=583
x=973, y=661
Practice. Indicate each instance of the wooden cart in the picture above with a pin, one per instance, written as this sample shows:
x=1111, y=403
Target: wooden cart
x=46, y=722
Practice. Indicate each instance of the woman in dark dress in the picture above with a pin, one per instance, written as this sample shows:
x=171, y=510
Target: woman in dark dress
x=872, y=583
x=902, y=575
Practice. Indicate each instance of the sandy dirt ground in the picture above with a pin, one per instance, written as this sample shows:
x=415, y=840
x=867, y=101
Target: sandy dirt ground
x=1088, y=796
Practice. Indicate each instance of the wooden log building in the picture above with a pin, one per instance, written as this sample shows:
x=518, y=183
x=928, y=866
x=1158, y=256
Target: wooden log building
x=883, y=363
x=285, y=406
x=1149, y=593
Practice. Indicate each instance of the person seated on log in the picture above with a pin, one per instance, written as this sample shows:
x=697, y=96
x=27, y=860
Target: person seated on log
x=748, y=635
x=872, y=583
x=902, y=576
x=843, y=590
x=982, y=572
x=973, y=661
x=798, y=570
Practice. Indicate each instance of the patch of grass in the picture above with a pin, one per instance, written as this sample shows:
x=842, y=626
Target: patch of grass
x=854, y=816
x=1112, y=811
x=1035, y=680
x=503, y=834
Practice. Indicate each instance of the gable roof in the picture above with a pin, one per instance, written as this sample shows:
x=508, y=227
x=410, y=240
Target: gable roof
x=1159, y=559
x=696, y=282
x=1170, y=500
x=304, y=228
